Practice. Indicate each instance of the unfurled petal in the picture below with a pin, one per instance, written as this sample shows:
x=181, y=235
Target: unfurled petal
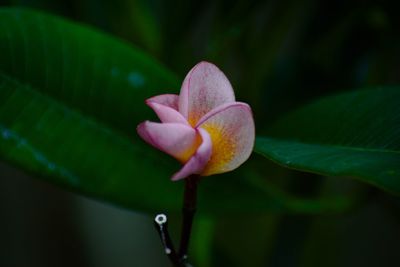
x=231, y=128
x=199, y=160
x=175, y=139
x=166, y=113
x=204, y=88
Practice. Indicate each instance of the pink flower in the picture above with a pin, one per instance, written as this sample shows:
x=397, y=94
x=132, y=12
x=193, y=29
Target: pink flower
x=204, y=127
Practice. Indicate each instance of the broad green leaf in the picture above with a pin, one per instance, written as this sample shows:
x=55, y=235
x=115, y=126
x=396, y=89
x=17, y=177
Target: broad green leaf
x=353, y=134
x=70, y=100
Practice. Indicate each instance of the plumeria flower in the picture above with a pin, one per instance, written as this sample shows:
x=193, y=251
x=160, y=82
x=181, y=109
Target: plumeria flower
x=203, y=127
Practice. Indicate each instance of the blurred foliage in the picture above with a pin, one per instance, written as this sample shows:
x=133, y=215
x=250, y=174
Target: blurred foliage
x=279, y=55
x=70, y=97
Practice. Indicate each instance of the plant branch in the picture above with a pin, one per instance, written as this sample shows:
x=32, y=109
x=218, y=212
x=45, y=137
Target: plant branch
x=161, y=224
x=189, y=209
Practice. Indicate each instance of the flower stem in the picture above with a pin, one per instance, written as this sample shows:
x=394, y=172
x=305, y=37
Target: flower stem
x=189, y=209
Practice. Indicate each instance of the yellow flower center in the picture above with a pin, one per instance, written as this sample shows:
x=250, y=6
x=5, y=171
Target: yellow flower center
x=223, y=149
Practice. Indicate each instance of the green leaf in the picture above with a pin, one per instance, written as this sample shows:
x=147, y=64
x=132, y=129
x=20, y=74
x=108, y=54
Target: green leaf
x=353, y=134
x=70, y=100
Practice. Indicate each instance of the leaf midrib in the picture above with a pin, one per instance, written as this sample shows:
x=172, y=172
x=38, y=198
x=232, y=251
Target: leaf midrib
x=351, y=148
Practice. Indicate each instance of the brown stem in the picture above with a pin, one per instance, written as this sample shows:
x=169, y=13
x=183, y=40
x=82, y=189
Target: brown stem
x=189, y=209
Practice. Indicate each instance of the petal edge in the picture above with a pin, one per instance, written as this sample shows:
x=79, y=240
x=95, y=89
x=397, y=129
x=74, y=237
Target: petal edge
x=204, y=88
x=169, y=100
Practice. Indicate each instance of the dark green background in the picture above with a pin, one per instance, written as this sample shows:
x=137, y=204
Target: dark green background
x=279, y=56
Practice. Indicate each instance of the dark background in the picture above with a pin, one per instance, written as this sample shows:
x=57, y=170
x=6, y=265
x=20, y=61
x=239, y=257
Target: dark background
x=278, y=56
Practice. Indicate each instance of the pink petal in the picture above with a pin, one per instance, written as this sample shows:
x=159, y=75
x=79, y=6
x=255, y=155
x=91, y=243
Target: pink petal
x=204, y=88
x=232, y=131
x=166, y=113
x=198, y=161
x=169, y=100
x=175, y=139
